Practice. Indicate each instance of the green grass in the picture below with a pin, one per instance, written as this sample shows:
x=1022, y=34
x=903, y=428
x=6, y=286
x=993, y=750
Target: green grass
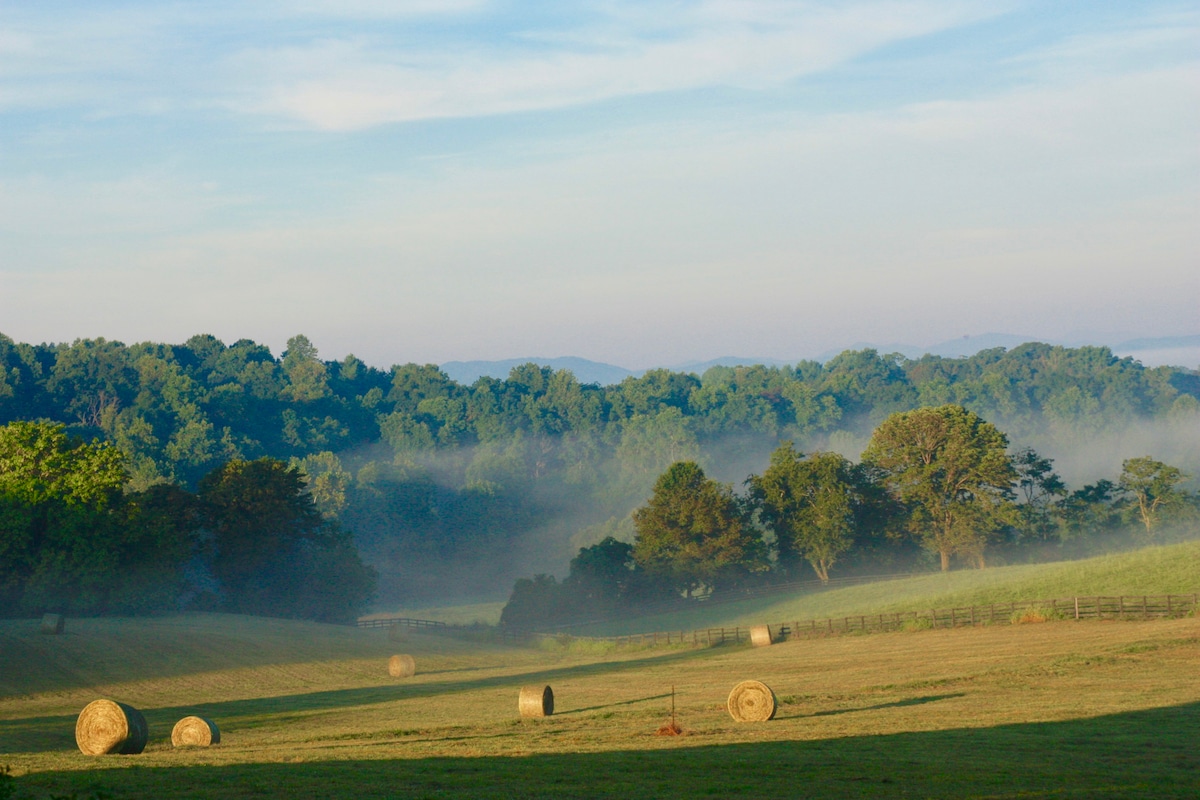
x=1062, y=709
x=1153, y=570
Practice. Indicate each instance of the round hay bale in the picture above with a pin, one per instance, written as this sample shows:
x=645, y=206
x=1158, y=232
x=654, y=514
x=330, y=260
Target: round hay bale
x=195, y=732
x=536, y=701
x=402, y=666
x=397, y=633
x=53, y=624
x=105, y=726
x=752, y=701
x=760, y=635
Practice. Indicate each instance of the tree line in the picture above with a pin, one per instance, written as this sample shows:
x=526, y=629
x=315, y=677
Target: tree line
x=939, y=478
x=249, y=540
x=436, y=480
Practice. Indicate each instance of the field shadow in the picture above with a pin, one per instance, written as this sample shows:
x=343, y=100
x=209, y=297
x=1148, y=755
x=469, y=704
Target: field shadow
x=911, y=701
x=1140, y=754
x=56, y=733
x=612, y=705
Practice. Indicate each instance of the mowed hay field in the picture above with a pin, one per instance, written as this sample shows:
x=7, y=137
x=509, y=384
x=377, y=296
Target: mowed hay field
x=1058, y=709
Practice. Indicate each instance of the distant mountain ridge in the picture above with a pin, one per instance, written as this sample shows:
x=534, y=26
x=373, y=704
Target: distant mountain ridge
x=1158, y=351
x=467, y=372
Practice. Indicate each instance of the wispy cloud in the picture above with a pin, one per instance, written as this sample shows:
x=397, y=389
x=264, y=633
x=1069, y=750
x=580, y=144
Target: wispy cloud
x=350, y=65
x=351, y=83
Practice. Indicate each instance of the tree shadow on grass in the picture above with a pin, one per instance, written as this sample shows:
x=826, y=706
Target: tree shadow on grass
x=56, y=733
x=911, y=701
x=1141, y=754
x=612, y=705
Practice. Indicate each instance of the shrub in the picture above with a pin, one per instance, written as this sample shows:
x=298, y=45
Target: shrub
x=1034, y=614
x=917, y=624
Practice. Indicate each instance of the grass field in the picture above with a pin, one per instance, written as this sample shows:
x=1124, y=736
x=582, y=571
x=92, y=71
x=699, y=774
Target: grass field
x=1153, y=570
x=1062, y=709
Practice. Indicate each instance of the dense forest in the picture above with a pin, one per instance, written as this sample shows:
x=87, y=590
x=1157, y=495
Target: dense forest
x=451, y=491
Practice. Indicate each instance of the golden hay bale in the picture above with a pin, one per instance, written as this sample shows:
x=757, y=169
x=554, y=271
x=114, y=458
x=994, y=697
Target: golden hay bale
x=536, y=701
x=397, y=633
x=760, y=635
x=105, y=726
x=53, y=624
x=752, y=701
x=402, y=666
x=195, y=732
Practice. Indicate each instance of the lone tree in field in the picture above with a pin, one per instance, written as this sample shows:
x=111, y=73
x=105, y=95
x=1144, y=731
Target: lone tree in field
x=814, y=505
x=693, y=532
x=951, y=469
x=1152, y=487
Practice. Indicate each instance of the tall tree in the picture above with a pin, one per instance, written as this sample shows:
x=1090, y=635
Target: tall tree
x=950, y=468
x=1037, y=487
x=693, y=532
x=815, y=506
x=1154, y=490
x=274, y=554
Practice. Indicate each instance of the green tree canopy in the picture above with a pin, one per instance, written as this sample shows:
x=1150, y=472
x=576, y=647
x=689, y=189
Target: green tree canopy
x=273, y=553
x=693, y=532
x=815, y=506
x=1153, y=488
x=951, y=469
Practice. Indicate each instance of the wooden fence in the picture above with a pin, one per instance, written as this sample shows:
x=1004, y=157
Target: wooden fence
x=403, y=622
x=1103, y=607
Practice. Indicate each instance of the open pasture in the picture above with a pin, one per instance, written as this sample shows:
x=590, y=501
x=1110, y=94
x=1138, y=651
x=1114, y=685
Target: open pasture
x=1059, y=709
x=1156, y=570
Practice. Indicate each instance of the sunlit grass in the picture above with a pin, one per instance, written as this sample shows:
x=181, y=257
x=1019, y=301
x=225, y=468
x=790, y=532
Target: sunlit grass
x=938, y=713
x=1153, y=570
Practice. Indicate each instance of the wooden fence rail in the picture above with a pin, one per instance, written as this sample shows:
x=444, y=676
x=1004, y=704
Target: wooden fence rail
x=403, y=622
x=1096, y=607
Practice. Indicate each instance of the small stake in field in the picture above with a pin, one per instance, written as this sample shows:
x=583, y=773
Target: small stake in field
x=673, y=728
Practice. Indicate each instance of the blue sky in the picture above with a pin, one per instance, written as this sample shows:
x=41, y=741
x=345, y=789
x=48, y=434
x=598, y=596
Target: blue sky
x=639, y=183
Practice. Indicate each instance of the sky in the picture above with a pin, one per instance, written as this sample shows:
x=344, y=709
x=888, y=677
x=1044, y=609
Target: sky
x=640, y=183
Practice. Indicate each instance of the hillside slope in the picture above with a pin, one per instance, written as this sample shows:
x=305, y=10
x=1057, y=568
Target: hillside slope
x=1152, y=570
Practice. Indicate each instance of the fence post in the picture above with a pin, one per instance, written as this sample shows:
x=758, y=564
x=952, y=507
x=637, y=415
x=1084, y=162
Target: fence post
x=933, y=613
x=1076, y=608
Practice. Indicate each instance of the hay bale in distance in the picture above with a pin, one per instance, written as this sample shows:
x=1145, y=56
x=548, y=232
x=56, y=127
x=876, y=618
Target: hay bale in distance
x=106, y=726
x=403, y=666
x=195, y=732
x=760, y=635
x=752, y=701
x=53, y=624
x=536, y=701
